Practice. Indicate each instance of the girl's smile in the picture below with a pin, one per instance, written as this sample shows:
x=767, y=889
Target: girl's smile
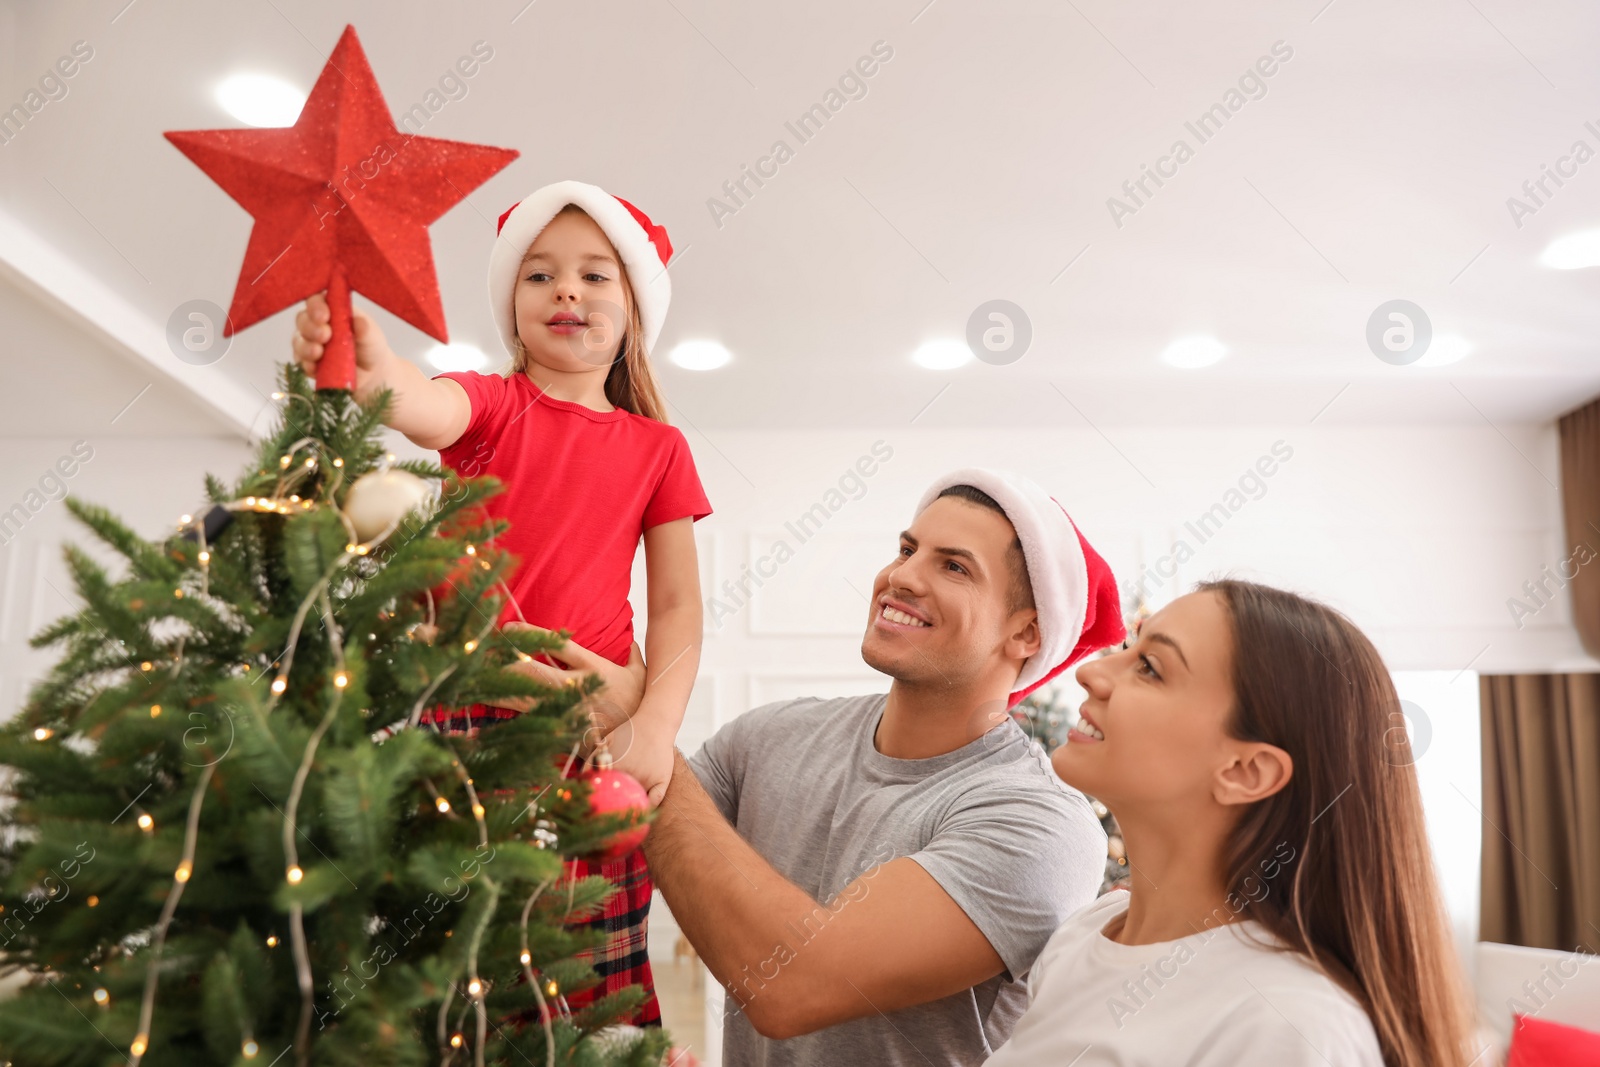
x=566, y=323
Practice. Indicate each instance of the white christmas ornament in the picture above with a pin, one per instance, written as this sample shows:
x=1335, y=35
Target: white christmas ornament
x=618, y=1038
x=380, y=499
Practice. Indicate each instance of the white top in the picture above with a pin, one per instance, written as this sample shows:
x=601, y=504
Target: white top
x=1211, y=1000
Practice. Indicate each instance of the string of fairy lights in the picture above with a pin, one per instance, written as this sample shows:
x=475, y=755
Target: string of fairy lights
x=285, y=499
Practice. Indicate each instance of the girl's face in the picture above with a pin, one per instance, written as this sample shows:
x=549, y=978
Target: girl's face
x=1161, y=706
x=571, y=299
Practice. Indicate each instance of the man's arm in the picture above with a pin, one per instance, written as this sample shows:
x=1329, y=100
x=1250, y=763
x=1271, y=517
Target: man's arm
x=891, y=939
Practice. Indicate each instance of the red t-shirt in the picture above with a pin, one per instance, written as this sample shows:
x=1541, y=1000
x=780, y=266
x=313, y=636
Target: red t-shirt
x=581, y=488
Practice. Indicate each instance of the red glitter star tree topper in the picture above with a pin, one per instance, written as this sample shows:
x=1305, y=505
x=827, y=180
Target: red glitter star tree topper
x=342, y=200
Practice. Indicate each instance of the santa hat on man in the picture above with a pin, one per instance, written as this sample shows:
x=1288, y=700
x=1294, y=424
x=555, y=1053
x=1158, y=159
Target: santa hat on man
x=1074, y=591
x=642, y=244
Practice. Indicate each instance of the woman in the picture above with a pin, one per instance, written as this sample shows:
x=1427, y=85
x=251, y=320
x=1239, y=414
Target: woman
x=1283, y=906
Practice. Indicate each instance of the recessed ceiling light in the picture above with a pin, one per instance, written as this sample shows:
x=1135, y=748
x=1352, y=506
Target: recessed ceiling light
x=457, y=356
x=1444, y=349
x=1575, y=250
x=1191, y=352
x=700, y=355
x=260, y=100
x=944, y=354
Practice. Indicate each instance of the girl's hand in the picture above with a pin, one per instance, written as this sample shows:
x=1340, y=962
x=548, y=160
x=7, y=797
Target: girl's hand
x=312, y=331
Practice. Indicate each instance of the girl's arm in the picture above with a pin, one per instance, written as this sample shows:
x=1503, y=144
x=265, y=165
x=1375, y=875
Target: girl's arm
x=432, y=412
x=644, y=746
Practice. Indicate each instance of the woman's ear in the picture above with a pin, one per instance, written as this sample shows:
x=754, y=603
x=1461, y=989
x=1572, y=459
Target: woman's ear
x=1256, y=771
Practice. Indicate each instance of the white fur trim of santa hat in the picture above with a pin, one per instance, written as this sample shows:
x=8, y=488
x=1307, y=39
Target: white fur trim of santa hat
x=1074, y=591
x=643, y=246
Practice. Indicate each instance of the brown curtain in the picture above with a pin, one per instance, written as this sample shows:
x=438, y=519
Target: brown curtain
x=1541, y=807
x=1580, y=505
x=1541, y=748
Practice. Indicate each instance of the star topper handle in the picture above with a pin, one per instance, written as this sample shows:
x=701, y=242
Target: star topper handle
x=337, y=367
x=342, y=201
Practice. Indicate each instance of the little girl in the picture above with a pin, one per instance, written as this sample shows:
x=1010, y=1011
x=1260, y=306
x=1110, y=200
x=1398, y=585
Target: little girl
x=577, y=433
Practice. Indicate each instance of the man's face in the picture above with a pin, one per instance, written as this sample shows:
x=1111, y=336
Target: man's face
x=939, y=610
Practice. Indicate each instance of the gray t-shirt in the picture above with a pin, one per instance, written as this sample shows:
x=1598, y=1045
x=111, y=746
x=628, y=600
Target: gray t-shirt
x=1016, y=848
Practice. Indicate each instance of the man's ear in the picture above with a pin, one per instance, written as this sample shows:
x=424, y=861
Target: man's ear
x=1024, y=640
x=1255, y=771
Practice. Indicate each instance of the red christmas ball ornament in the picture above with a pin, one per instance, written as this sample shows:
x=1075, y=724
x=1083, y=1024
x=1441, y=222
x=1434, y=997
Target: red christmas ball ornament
x=614, y=792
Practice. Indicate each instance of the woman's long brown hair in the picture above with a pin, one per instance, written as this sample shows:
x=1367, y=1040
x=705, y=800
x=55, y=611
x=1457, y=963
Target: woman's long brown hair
x=631, y=384
x=1360, y=898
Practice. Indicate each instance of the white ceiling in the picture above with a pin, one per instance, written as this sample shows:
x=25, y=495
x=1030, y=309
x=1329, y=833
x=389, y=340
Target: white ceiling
x=977, y=166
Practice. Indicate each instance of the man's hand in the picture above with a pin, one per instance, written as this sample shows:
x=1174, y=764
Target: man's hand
x=609, y=708
x=645, y=751
x=642, y=745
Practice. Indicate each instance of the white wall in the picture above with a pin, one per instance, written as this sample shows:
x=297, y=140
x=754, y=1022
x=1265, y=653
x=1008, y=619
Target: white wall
x=1442, y=717
x=148, y=482
x=1420, y=535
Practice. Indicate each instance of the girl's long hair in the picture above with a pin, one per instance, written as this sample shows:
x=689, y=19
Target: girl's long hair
x=631, y=384
x=1359, y=897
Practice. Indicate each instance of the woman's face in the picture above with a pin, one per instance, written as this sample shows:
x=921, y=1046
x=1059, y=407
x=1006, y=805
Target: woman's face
x=1161, y=707
x=570, y=296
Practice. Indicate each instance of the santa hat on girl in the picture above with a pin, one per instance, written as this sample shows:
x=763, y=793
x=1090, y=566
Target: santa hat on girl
x=642, y=244
x=1074, y=591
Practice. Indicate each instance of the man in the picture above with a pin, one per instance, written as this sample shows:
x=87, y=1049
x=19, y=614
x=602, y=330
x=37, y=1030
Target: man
x=871, y=877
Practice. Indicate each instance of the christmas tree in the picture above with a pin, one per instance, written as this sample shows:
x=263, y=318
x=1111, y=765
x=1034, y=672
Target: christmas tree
x=225, y=838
